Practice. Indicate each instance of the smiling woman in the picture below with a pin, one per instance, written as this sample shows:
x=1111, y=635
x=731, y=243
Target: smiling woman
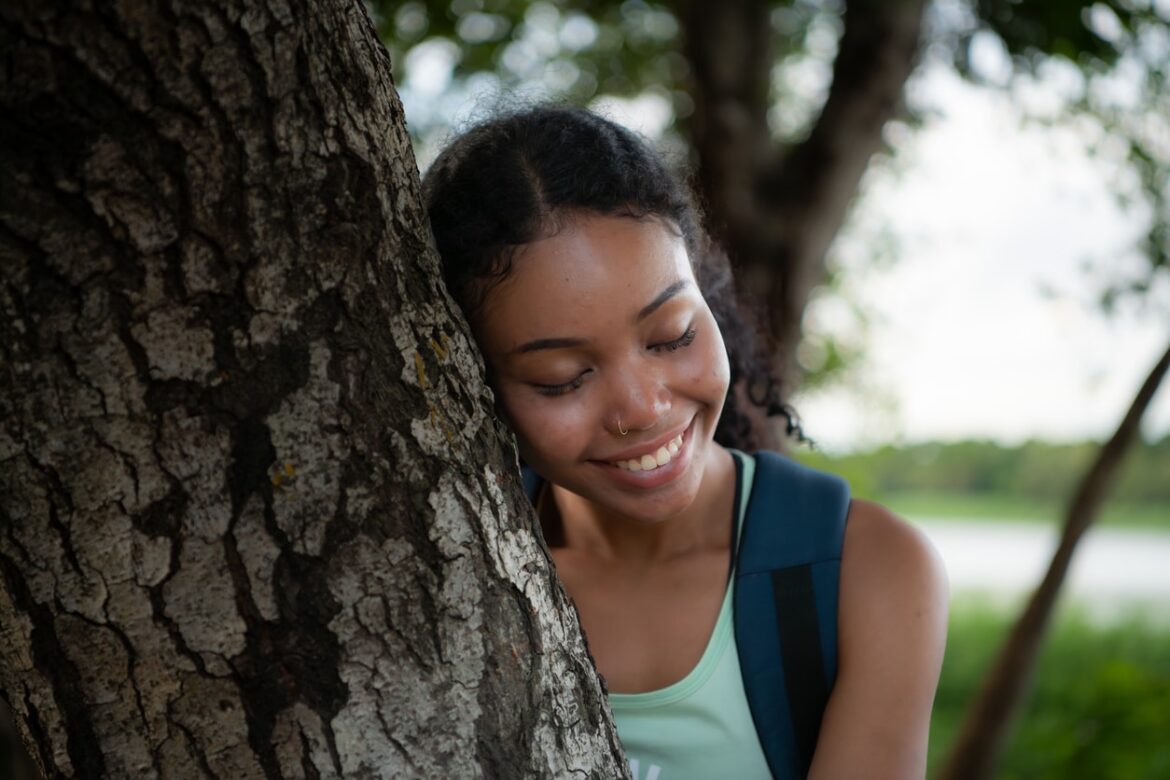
x=598, y=329
x=580, y=264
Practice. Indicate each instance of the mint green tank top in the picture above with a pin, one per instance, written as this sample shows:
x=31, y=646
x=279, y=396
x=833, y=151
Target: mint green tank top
x=699, y=727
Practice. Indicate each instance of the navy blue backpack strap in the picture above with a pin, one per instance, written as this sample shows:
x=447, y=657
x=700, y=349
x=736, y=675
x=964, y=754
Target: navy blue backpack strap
x=531, y=482
x=785, y=605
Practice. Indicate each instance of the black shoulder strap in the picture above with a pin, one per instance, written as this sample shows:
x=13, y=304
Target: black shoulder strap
x=785, y=604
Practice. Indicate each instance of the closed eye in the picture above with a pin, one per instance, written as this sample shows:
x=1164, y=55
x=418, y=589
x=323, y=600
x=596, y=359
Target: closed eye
x=564, y=387
x=684, y=340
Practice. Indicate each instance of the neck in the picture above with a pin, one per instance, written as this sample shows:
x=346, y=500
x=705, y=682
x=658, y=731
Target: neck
x=701, y=527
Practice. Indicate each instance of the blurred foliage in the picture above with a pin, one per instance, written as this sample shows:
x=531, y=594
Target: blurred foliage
x=1098, y=705
x=1116, y=90
x=1040, y=472
x=577, y=51
x=612, y=47
x=1071, y=29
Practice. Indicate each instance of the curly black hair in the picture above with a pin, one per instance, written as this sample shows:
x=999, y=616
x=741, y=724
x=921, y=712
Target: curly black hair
x=516, y=178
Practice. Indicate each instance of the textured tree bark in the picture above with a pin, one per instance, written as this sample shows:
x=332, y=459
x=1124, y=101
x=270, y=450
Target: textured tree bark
x=256, y=516
x=778, y=208
x=989, y=719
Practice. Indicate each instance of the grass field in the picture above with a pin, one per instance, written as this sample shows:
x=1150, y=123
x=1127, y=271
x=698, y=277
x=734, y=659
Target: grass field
x=1006, y=508
x=1099, y=705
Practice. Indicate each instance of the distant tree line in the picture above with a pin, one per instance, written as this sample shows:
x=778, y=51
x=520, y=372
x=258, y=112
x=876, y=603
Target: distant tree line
x=1039, y=470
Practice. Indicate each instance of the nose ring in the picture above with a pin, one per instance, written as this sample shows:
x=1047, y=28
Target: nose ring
x=621, y=430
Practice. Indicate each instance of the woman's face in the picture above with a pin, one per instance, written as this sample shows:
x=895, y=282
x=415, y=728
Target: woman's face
x=601, y=328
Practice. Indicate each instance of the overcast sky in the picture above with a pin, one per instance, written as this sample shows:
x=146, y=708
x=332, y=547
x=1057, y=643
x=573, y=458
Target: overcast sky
x=983, y=323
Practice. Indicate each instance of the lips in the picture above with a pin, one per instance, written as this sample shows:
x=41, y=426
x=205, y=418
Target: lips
x=654, y=455
x=650, y=461
x=675, y=449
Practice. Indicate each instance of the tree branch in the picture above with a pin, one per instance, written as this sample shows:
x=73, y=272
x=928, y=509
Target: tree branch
x=778, y=209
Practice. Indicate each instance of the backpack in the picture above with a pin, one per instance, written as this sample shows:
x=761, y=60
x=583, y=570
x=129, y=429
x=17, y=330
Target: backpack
x=785, y=603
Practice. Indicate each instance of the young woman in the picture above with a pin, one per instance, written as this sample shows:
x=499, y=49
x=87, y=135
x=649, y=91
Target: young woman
x=578, y=261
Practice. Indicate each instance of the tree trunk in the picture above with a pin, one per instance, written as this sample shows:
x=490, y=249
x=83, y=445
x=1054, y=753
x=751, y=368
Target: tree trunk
x=256, y=516
x=988, y=722
x=776, y=208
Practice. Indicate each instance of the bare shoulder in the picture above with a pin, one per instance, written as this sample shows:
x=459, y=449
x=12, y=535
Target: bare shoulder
x=894, y=586
x=892, y=623
x=884, y=554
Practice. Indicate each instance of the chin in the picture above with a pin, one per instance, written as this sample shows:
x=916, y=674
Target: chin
x=642, y=498
x=654, y=511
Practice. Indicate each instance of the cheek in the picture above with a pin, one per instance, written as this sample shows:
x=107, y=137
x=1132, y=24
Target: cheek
x=709, y=372
x=717, y=380
x=544, y=427
x=720, y=367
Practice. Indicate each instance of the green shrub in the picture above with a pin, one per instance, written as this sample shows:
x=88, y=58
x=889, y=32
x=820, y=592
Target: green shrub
x=1098, y=706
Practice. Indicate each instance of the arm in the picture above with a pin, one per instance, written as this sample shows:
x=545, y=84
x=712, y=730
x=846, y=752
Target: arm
x=892, y=623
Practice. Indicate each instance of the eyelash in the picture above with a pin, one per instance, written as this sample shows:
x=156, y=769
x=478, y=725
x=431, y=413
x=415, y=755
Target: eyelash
x=685, y=340
x=567, y=387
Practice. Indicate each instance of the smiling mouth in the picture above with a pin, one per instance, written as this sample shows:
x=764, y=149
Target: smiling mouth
x=655, y=460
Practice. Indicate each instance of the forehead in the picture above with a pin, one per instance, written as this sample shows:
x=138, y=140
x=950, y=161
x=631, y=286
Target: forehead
x=595, y=270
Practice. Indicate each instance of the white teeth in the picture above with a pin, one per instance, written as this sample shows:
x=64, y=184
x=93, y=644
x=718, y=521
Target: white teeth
x=649, y=462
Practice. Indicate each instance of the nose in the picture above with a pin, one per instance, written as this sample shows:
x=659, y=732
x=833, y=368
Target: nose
x=639, y=399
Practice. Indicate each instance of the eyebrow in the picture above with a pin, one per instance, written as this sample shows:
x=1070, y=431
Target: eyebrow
x=662, y=298
x=569, y=343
